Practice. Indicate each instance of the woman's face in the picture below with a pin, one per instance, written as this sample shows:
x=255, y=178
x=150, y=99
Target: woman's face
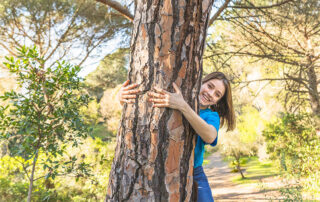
x=211, y=92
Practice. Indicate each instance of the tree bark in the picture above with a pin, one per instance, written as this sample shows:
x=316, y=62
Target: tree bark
x=220, y=10
x=154, y=154
x=239, y=168
x=117, y=6
x=313, y=91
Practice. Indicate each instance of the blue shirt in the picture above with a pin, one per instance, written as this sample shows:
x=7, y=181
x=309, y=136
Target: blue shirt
x=211, y=118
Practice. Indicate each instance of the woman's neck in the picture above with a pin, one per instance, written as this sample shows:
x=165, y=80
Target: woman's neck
x=203, y=107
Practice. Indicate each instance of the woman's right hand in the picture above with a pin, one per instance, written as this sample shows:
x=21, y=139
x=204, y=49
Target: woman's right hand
x=128, y=93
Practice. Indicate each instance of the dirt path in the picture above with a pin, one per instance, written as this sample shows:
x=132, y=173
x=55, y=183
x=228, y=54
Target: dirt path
x=223, y=189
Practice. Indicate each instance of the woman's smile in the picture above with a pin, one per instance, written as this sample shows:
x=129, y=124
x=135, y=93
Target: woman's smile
x=205, y=98
x=211, y=92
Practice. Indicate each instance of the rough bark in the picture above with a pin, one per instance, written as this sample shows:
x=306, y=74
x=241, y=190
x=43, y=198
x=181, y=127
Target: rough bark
x=154, y=154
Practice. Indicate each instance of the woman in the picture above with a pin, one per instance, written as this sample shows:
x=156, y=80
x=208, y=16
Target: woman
x=216, y=109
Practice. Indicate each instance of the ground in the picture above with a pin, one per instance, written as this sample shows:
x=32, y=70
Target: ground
x=224, y=189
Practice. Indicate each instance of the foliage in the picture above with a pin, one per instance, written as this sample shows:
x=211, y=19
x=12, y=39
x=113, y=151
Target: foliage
x=91, y=112
x=292, y=193
x=101, y=131
x=111, y=72
x=99, y=154
x=245, y=140
x=293, y=142
x=72, y=30
x=110, y=109
x=44, y=118
x=250, y=125
x=104, y=117
x=233, y=146
x=282, y=39
x=255, y=169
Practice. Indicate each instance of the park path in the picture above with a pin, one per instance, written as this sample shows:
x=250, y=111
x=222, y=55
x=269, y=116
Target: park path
x=223, y=189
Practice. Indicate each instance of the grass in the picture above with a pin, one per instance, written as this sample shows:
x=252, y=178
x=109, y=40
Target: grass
x=255, y=170
x=207, y=152
x=101, y=131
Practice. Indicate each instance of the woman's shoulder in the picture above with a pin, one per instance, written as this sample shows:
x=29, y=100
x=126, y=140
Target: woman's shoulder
x=211, y=117
x=208, y=113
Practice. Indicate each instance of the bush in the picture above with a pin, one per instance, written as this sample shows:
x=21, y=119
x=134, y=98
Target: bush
x=97, y=153
x=293, y=142
x=44, y=117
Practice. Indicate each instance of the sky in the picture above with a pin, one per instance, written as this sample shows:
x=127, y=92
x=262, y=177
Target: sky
x=92, y=62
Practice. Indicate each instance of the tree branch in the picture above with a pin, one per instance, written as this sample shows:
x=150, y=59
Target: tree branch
x=24, y=167
x=217, y=14
x=260, y=7
x=265, y=79
x=8, y=49
x=118, y=7
x=62, y=38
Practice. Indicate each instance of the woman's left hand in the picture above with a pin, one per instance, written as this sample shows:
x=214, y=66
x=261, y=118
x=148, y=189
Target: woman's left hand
x=163, y=98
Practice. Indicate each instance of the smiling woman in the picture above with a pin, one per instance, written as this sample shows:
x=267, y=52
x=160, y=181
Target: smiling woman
x=211, y=92
x=224, y=105
x=216, y=110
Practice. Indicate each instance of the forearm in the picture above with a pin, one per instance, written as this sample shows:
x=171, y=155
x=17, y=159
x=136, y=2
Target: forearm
x=207, y=132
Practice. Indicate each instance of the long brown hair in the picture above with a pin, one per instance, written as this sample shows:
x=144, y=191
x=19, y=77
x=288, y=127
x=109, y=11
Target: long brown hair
x=224, y=107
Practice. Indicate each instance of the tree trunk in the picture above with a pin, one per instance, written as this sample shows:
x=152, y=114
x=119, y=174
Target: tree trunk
x=32, y=176
x=239, y=167
x=154, y=154
x=313, y=91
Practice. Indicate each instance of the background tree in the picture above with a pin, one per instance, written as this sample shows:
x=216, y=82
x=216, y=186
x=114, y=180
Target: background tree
x=7, y=81
x=286, y=35
x=293, y=142
x=232, y=146
x=246, y=140
x=267, y=50
x=111, y=72
x=44, y=117
x=68, y=30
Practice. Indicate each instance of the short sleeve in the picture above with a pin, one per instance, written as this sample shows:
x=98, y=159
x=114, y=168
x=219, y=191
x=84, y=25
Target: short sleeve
x=213, y=119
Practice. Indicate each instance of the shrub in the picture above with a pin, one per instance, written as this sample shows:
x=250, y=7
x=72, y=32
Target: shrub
x=292, y=140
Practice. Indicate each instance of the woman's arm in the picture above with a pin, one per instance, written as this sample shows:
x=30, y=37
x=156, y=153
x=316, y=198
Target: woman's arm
x=162, y=98
x=207, y=132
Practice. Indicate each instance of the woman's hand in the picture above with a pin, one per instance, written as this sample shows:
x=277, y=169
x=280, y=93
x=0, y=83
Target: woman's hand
x=128, y=93
x=162, y=98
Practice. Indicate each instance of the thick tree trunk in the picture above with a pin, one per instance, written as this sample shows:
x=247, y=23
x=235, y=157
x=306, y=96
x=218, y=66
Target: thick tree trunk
x=154, y=153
